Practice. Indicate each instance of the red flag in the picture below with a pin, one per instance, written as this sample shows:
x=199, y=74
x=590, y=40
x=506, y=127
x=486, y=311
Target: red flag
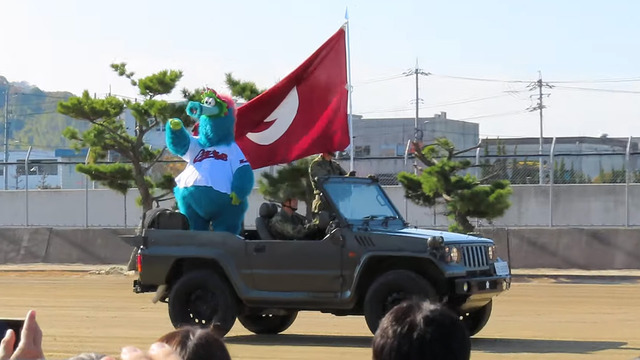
x=303, y=114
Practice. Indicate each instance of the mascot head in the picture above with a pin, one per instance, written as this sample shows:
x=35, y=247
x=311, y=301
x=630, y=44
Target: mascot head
x=216, y=116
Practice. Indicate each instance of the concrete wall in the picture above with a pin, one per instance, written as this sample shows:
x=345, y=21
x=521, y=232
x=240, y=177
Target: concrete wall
x=63, y=246
x=560, y=248
x=573, y=205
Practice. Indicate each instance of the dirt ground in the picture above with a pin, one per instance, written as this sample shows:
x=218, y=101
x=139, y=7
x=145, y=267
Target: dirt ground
x=536, y=319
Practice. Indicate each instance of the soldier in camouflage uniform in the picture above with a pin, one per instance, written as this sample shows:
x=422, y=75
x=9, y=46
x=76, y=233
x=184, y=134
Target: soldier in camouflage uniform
x=287, y=224
x=323, y=165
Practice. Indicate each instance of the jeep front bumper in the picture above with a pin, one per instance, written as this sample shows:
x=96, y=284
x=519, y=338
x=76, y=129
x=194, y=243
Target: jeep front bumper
x=477, y=292
x=483, y=285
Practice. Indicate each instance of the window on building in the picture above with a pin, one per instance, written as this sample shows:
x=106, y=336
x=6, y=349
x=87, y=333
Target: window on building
x=38, y=167
x=363, y=151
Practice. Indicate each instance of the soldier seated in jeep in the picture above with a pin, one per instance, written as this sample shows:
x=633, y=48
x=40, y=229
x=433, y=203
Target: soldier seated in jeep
x=287, y=224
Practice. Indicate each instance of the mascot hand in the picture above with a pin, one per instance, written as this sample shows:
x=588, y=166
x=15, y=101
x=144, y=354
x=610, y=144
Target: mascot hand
x=176, y=124
x=235, y=200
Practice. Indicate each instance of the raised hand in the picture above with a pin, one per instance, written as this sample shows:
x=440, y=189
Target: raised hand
x=176, y=124
x=235, y=200
x=30, y=346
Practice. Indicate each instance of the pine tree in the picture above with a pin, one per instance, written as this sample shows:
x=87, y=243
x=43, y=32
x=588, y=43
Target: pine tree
x=246, y=90
x=108, y=133
x=464, y=196
x=293, y=179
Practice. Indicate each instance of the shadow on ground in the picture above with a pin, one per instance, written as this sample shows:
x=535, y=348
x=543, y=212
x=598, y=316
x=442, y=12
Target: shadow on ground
x=498, y=346
x=507, y=346
x=302, y=340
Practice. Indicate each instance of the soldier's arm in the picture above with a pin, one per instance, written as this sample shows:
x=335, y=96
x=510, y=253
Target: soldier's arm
x=287, y=229
x=317, y=170
x=342, y=171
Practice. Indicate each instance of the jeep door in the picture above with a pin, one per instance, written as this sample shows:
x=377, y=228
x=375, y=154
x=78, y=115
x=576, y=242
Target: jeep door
x=296, y=265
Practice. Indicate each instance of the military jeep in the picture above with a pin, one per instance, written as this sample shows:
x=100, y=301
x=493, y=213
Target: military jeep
x=369, y=261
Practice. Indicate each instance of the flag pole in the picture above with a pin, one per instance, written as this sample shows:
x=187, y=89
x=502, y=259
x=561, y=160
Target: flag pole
x=349, y=89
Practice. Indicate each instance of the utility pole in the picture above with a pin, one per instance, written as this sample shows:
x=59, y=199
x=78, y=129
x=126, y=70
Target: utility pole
x=6, y=136
x=538, y=107
x=417, y=133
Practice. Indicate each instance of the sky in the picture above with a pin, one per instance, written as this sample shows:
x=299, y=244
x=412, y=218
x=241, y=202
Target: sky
x=480, y=55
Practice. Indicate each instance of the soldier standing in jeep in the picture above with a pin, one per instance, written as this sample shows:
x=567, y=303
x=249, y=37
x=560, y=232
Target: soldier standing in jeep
x=323, y=165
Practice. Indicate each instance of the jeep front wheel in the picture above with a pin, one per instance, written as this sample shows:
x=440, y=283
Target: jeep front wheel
x=202, y=298
x=267, y=323
x=477, y=319
x=391, y=289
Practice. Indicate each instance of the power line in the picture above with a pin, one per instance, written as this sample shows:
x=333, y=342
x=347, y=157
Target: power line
x=376, y=80
x=618, y=80
x=450, y=103
x=481, y=79
x=42, y=95
x=619, y=91
x=36, y=113
x=594, y=81
x=494, y=115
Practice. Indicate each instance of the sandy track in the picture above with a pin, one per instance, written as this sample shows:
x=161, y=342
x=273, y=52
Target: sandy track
x=541, y=319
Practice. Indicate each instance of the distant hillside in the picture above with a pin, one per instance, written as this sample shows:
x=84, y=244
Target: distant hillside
x=33, y=117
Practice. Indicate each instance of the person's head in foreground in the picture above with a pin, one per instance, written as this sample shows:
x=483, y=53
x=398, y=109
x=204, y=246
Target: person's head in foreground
x=194, y=343
x=418, y=329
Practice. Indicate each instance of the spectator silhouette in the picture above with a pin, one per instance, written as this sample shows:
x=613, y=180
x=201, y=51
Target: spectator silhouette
x=418, y=329
x=194, y=343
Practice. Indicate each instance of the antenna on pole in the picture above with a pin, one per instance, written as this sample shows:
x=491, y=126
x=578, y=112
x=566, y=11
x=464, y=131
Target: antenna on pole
x=417, y=133
x=538, y=85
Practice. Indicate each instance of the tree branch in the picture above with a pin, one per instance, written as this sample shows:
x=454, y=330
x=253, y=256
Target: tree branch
x=143, y=131
x=417, y=152
x=122, y=141
x=147, y=168
x=447, y=198
x=465, y=150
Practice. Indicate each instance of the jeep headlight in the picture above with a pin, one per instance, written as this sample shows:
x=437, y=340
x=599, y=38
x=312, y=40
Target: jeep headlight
x=452, y=254
x=491, y=252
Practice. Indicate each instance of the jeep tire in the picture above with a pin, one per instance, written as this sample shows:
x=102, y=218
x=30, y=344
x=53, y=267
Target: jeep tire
x=477, y=319
x=267, y=323
x=203, y=298
x=391, y=289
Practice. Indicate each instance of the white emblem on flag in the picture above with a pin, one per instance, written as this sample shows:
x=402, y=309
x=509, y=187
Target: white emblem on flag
x=282, y=117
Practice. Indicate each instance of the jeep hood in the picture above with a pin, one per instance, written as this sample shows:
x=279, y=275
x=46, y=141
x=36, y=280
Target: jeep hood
x=449, y=237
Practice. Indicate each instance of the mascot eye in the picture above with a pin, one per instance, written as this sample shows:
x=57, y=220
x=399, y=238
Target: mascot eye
x=209, y=101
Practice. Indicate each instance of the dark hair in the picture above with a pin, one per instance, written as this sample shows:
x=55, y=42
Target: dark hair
x=194, y=343
x=420, y=330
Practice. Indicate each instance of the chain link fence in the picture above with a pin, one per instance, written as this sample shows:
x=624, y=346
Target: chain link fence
x=551, y=181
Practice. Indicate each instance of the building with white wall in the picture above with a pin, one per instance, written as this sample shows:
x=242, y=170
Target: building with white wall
x=42, y=170
x=380, y=143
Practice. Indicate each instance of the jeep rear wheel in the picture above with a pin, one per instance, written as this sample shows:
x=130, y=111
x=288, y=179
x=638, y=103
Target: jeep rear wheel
x=391, y=289
x=202, y=298
x=267, y=323
x=477, y=319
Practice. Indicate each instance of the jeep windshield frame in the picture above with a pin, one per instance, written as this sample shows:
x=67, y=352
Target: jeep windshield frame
x=361, y=202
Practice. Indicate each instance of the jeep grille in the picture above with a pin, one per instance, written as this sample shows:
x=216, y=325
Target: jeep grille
x=475, y=256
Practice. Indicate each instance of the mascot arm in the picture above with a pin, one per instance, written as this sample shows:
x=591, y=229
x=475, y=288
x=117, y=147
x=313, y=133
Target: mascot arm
x=178, y=139
x=242, y=182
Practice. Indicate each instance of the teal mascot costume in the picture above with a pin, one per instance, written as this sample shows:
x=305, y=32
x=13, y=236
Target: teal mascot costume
x=212, y=190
